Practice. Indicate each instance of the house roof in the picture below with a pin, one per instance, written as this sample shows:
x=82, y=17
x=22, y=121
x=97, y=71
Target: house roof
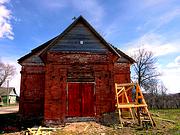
x=35, y=50
x=46, y=46
x=124, y=55
x=4, y=91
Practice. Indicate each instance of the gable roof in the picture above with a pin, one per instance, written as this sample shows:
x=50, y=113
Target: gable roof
x=4, y=91
x=46, y=46
x=123, y=54
x=35, y=50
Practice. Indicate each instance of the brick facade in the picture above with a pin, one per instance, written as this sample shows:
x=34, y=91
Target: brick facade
x=45, y=76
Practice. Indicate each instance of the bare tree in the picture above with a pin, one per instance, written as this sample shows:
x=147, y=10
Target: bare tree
x=145, y=70
x=7, y=71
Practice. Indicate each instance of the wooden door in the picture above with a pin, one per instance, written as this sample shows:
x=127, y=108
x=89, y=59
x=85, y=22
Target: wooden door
x=74, y=99
x=87, y=99
x=80, y=99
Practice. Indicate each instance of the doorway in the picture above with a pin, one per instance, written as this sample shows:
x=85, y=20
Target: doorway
x=80, y=99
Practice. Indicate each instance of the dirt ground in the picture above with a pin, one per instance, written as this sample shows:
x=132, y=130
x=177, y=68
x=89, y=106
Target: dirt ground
x=9, y=123
x=84, y=128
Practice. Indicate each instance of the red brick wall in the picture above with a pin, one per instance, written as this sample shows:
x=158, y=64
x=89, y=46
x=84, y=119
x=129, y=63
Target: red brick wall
x=57, y=67
x=44, y=89
x=104, y=88
x=32, y=91
x=55, y=92
x=122, y=75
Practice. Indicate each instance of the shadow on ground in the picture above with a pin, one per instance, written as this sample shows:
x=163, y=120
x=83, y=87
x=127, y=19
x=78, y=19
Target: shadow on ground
x=11, y=122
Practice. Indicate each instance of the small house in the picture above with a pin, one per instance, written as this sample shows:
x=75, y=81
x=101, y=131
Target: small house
x=72, y=75
x=8, y=95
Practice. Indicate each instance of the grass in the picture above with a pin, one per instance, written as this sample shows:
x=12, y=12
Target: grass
x=168, y=123
x=170, y=114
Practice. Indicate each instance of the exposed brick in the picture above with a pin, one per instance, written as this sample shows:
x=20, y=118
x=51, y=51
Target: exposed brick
x=44, y=88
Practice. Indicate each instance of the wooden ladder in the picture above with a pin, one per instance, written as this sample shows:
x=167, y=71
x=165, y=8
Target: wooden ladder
x=139, y=104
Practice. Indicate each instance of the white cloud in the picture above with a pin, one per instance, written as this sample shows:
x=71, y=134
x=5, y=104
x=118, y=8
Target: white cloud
x=160, y=46
x=171, y=76
x=4, y=1
x=177, y=60
x=155, y=22
x=155, y=43
x=5, y=24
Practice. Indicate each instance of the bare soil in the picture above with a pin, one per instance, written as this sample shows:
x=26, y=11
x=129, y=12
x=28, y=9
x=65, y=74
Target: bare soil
x=9, y=124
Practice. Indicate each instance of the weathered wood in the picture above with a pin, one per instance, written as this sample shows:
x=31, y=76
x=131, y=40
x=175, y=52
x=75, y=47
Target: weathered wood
x=40, y=130
x=71, y=41
x=167, y=120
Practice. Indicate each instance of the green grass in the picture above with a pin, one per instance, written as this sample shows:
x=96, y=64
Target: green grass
x=170, y=114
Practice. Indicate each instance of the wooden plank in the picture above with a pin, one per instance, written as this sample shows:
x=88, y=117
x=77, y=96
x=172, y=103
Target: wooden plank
x=120, y=119
x=130, y=105
x=87, y=99
x=119, y=92
x=74, y=99
x=40, y=130
x=125, y=84
x=71, y=41
x=125, y=91
x=117, y=100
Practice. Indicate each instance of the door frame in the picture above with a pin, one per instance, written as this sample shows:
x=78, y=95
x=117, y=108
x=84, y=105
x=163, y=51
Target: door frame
x=93, y=96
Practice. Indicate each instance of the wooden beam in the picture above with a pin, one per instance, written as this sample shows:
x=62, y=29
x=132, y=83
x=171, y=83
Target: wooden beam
x=126, y=90
x=126, y=84
x=121, y=90
x=130, y=105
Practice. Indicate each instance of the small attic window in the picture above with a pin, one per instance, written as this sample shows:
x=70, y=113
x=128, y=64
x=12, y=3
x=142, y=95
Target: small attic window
x=81, y=42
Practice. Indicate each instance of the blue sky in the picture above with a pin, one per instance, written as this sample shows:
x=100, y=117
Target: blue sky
x=128, y=24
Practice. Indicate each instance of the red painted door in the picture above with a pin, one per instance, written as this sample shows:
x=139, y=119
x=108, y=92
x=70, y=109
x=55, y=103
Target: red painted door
x=74, y=99
x=87, y=99
x=80, y=99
